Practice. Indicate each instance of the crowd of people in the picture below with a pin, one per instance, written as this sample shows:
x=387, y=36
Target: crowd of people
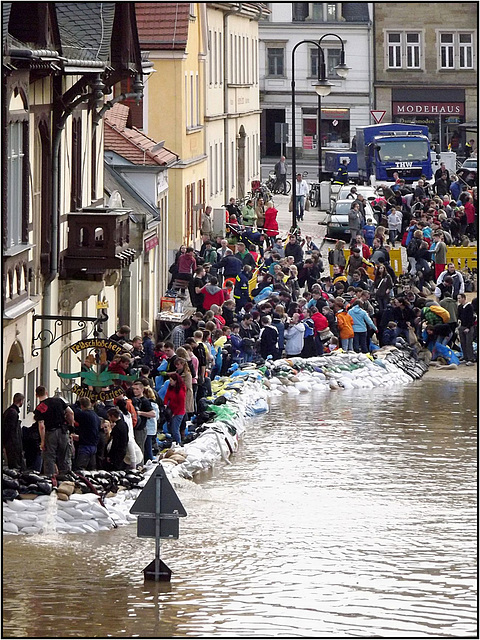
x=257, y=294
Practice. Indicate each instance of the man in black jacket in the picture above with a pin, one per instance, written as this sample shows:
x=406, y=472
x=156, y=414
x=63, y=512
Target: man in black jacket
x=230, y=264
x=295, y=250
x=12, y=433
x=466, y=329
x=87, y=435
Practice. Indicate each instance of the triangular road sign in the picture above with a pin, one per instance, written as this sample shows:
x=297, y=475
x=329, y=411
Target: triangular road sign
x=378, y=115
x=170, y=504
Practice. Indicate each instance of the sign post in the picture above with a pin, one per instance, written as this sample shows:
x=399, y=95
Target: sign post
x=281, y=134
x=159, y=510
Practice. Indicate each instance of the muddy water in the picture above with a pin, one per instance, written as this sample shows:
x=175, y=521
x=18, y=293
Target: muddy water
x=347, y=515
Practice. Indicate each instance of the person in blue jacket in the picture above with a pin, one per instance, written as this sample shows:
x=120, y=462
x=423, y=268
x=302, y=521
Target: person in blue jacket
x=240, y=290
x=361, y=322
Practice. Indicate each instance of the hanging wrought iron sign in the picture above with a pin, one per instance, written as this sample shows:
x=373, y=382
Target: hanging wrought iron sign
x=97, y=385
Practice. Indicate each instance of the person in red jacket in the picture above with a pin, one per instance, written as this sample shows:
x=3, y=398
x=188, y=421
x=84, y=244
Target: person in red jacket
x=470, y=215
x=175, y=399
x=212, y=294
x=320, y=324
x=186, y=265
x=271, y=224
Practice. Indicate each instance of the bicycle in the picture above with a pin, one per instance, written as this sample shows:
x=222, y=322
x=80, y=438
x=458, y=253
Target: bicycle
x=272, y=185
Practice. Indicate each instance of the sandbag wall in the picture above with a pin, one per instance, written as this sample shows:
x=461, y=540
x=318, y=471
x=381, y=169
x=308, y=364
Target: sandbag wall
x=99, y=501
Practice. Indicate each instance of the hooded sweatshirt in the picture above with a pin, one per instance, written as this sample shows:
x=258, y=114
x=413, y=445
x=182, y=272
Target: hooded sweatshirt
x=361, y=319
x=212, y=295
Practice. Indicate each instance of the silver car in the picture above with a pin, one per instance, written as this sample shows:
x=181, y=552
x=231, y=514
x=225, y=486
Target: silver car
x=337, y=218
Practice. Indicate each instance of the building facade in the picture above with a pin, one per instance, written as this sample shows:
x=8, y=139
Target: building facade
x=203, y=102
x=137, y=168
x=426, y=71
x=348, y=104
x=175, y=36
x=232, y=109
x=63, y=250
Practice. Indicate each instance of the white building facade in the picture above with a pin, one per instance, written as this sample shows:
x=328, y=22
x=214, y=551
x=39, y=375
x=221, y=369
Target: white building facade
x=349, y=103
x=232, y=109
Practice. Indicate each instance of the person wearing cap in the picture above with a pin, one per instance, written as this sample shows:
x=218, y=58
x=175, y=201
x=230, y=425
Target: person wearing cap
x=342, y=173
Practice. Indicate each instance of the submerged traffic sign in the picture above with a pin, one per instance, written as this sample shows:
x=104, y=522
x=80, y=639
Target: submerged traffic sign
x=170, y=505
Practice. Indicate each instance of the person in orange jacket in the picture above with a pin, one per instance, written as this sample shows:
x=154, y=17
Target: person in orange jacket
x=344, y=323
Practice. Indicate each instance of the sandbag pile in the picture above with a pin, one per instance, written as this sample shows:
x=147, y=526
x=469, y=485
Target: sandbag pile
x=341, y=370
x=245, y=396
x=79, y=503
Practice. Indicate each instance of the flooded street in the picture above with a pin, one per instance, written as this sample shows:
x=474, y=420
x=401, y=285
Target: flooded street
x=350, y=514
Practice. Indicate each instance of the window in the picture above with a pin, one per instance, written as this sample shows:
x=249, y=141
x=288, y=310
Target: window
x=76, y=179
x=456, y=50
x=394, y=50
x=332, y=59
x=197, y=82
x=275, y=57
x=15, y=176
x=413, y=50
x=324, y=11
x=404, y=50
x=465, y=43
x=447, y=51
x=210, y=59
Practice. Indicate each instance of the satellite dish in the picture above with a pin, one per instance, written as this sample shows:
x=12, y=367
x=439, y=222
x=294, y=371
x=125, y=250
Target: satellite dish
x=115, y=200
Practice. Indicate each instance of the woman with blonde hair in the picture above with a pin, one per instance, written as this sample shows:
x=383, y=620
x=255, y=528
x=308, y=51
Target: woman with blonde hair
x=336, y=255
x=183, y=370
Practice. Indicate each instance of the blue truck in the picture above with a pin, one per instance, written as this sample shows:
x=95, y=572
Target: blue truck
x=385, y=149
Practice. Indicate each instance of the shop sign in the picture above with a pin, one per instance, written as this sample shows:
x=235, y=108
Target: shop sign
x=97, y=385
x=429, y=108
x=150, y=243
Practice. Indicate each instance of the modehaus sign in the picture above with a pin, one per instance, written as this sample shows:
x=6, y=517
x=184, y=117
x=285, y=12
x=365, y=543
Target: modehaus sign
x=429, y=108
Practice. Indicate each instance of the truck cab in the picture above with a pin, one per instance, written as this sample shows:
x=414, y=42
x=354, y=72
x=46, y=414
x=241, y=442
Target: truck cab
x=385, y=150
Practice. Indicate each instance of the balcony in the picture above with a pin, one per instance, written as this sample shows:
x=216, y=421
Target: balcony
x=98, y=242
x=17, y=274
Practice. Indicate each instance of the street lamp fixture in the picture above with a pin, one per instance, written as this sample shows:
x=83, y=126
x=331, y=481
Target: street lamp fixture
x=322, y=87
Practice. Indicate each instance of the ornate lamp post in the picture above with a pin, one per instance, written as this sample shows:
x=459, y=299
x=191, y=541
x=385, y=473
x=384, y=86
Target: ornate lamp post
x=323, y=88
x=342, y=71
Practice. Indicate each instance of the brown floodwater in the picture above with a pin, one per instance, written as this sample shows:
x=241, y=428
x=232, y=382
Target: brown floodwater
x=350, y=514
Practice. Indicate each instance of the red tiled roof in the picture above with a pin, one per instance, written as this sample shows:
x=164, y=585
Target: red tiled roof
x=132, y=144
x=162, y=25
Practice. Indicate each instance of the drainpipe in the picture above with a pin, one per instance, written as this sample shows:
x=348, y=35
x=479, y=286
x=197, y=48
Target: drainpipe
x=225, y=99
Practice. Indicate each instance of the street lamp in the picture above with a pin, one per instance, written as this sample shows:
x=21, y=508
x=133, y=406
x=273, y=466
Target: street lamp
x=342, y=71
x=322, y=87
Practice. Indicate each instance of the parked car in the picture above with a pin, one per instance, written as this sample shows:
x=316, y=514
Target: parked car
x=337, y=219
x=468, y=172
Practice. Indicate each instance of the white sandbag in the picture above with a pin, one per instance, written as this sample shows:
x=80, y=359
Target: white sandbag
x=32, y=506
x=66, y=515
x=42, y=500
x=10, y=527
x=293, y=391
x=30, y=530
x=17, y=505
x=83, y=497
x=83, y=506
x=303, y=387
x=73, y=529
